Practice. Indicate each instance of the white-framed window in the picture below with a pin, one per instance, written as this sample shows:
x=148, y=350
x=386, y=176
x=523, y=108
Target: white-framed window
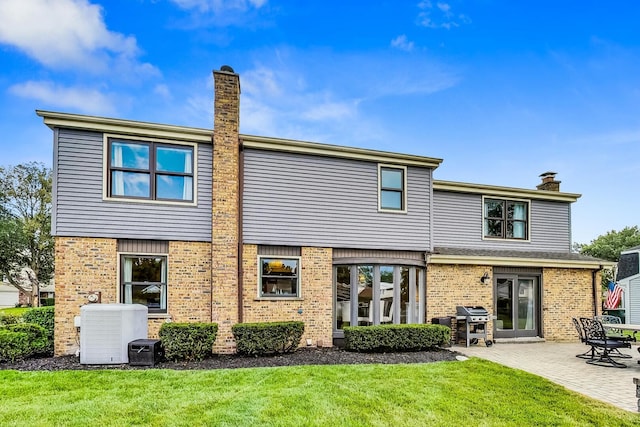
x=392, y=188
x=505, y=219
x=279, y=276
x=143, y=280
x=150, y=170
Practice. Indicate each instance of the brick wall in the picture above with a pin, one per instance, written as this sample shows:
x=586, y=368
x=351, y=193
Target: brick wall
x=225, y=208
x=189, y=284
x=315, y=306
x=567, y=293
x=83, y=265
x=451, y=285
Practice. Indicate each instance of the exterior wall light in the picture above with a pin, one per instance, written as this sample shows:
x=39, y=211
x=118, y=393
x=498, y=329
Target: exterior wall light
x=485, y=279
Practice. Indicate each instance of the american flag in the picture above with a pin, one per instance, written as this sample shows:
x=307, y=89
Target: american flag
x=613, y=296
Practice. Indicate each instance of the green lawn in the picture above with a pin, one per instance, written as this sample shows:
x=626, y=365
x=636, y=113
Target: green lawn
x=474, y=392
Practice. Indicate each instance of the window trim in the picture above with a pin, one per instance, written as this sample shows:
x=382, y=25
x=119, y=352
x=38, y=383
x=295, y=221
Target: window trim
x=152, y=142
x=403, y=196
x=506, y=239
x=120, y=266
x=275, y=297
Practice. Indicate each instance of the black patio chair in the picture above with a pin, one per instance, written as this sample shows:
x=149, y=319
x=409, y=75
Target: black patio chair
x=596, y=337
x=615, y=333
x=592, y=352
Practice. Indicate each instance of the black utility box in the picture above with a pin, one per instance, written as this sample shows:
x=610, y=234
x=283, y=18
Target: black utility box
x=145, y=352
x=446, y=321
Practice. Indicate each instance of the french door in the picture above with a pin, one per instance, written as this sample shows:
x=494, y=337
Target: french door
x=517, y=306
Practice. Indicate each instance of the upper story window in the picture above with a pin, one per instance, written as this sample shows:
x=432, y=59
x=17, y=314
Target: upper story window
x=150, y=170
x=506, y=219
x=392, y=184
x=279, y=277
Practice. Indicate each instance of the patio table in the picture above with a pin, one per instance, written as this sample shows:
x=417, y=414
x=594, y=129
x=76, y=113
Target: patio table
x=627, y=326
x=624, y=326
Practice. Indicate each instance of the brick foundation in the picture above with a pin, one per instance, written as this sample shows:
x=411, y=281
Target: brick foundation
x=315, y=306
x=451, y=285
x=567, y=293
x=83, y=265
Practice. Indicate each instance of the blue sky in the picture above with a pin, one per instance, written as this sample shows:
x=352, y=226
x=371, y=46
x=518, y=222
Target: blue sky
x=501, y=90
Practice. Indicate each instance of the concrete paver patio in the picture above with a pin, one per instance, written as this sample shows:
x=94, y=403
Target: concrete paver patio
x=557, y=362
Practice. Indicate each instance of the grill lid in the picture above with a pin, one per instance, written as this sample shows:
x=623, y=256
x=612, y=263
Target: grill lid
x=477, y=310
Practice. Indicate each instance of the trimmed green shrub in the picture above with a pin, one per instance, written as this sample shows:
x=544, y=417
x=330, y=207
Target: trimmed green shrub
x=43, y=316
x=47, y=302
x=38, y=340
x=10, y=319
x=188, y=341
x=13, y=345
x=258, y=339
x=389, y=338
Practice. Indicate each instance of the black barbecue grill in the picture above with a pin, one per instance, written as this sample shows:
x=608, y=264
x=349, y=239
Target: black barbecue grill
x=471, y=324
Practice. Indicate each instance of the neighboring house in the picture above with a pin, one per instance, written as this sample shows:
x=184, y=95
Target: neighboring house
x=9, y=295
x=628, y=277
x=204, y=225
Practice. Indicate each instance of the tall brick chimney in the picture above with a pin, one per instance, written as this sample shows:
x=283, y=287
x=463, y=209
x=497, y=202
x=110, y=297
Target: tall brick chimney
x=225, y=210
x=549, y=182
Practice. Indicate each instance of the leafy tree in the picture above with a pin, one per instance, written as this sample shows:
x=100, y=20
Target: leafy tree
x=26, y=245
x=609, y=246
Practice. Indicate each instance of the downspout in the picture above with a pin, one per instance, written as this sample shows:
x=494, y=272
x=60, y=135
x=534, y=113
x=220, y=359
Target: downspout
x=594, y=285
x=211, y=285
x=240, y=238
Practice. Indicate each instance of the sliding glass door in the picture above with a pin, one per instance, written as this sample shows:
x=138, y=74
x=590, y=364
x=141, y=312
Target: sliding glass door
x=517, y=306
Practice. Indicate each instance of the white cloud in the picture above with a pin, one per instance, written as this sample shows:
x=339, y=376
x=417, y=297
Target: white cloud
x=439, y=17
x=261, y=80
x=162, y=90
x=214, y=14
x=67, y=34
x=330, y=110
x=277, y=101
x=81, y=99
x=218, y=6
x=401, y=42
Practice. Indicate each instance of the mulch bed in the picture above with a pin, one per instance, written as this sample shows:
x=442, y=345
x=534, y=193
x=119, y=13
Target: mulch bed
x=303, y=356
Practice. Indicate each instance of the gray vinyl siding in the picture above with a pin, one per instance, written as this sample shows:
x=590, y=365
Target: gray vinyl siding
x=634, y=301
x=457, y=223
x=279, y=250
x=80, y=210
x=143, y=246
x=339, y=254
x=306, y=200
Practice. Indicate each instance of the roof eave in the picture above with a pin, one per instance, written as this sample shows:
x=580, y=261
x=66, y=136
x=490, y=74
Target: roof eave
x=124, y=127
x=518, y=261
x=314, y=148
x=464, y=187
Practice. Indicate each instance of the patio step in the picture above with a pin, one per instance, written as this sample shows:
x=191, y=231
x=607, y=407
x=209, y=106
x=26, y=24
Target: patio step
x=521, y=340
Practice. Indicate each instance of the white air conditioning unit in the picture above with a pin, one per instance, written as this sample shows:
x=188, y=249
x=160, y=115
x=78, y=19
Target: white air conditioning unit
x=107, y=329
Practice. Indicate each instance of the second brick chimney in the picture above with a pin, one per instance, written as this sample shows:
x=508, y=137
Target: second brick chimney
x=549, y=182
